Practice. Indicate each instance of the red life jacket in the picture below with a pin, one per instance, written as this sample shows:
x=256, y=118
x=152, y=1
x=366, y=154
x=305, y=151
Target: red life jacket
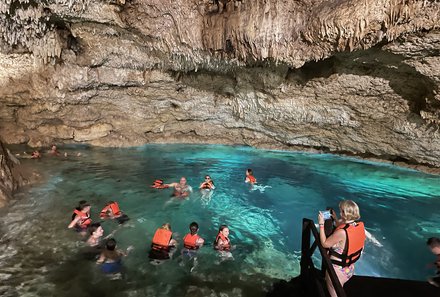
x=252, y=179
x=226, y=242
x=189, y=241
x=113, y=207
x=354, y=244
x=84, y=220
x=158, y=184
x=161, y=238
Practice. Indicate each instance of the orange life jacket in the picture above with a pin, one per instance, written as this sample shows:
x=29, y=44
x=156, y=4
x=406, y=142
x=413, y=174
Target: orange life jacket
x=114, y=207
x=189, y=241
x=161, y=238
x=207, y=186
x=158, y=184
x=84, y=220
x=252, y=179
x=226, y=243
x=354, y=244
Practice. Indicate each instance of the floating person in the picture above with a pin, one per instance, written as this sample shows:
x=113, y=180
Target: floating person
x=191, y=243
x=206, y=189
x=250, y=178
x=82, y=219
x=434, y=245
x=346, y=243
x=207, y=184
x=111, y=211
x=96, y=232
x=163, y=245
x=181, y=189
x=158, y=184
x=36, y=155
x=111, y=258
x=222, y=243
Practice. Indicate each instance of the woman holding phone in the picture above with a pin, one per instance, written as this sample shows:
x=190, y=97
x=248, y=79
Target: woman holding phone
x=345, y=244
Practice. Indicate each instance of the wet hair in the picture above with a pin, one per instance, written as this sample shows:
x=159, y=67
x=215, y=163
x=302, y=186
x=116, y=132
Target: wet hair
x=250, y=171
x=166, y=226
x=82, y=206
x=93, y=227
x=350, y=210
x=433, y=242
x=222, y=227
x=110, y=244
x=194, y=227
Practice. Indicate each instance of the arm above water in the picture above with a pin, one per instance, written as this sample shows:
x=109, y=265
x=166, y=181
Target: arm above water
x=73, y=223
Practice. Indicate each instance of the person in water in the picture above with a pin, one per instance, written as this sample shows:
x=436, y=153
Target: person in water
x=250, y=177
x=96, y=232
x=191, y=243
x=111, y=211
x=111, y=258
x=345, y=244
x=81, y=218
x=207, y=184
x=434, y=245
x=162, y=244
x=36, y=155
x=181, y=189
x=222, y=243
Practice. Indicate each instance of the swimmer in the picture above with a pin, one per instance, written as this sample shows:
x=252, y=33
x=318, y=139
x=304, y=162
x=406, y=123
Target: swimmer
x=208, y=184
x=162, y=244
x=250, y=177
x=36, y=155
x=192, y=242
x=181, y=189
x=96, y=232
x=81, y=219
x=54, y=151
x=111, y=258
x=434, y=245
x=112, y=211
x=222, y=243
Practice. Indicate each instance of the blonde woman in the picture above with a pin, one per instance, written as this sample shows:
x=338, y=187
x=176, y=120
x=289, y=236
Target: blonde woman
x=345, y=244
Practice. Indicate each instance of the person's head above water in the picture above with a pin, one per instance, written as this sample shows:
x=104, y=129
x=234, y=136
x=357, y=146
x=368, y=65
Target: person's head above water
x=434, y=245
x=166, y=226
x=110, y=244
x=193, y=227
x=96, y=230
x=249, y=172
x=182, y=180
x=349, y=210
x=81, y=204
x=224, y=230
x=85, y=207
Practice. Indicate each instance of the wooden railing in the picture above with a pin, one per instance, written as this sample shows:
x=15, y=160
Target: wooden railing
x=309, y=273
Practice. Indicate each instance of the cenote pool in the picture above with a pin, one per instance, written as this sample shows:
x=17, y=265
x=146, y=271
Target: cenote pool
x=40, y=257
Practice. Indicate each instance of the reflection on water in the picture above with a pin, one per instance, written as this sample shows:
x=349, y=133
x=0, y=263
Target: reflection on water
x=40, y=257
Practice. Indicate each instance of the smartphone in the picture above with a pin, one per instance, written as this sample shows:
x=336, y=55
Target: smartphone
x=326, y=214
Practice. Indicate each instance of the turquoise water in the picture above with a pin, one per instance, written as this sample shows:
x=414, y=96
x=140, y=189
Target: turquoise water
x=41, y=257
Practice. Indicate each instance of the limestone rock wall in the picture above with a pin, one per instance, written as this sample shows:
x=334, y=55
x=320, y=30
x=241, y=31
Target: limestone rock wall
x=8, y=183
x=354, y=77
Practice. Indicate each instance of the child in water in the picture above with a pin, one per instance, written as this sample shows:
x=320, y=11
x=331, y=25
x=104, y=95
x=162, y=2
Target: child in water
x=222, y=243
x=250, y=177
x=111, y=258
x=434, y=245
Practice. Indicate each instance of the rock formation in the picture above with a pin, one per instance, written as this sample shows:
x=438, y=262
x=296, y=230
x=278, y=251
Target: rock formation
x=8, y=182
x=357, y=77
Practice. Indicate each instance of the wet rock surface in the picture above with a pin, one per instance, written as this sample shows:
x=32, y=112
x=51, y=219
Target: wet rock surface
x=351, y=77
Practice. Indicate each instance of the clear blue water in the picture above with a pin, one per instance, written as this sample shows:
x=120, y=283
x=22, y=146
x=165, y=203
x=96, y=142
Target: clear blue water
x=41, y=257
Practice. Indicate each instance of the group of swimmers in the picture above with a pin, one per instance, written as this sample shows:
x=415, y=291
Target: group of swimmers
x=163, y=245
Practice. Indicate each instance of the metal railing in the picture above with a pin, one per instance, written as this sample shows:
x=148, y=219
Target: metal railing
x=308, y=270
